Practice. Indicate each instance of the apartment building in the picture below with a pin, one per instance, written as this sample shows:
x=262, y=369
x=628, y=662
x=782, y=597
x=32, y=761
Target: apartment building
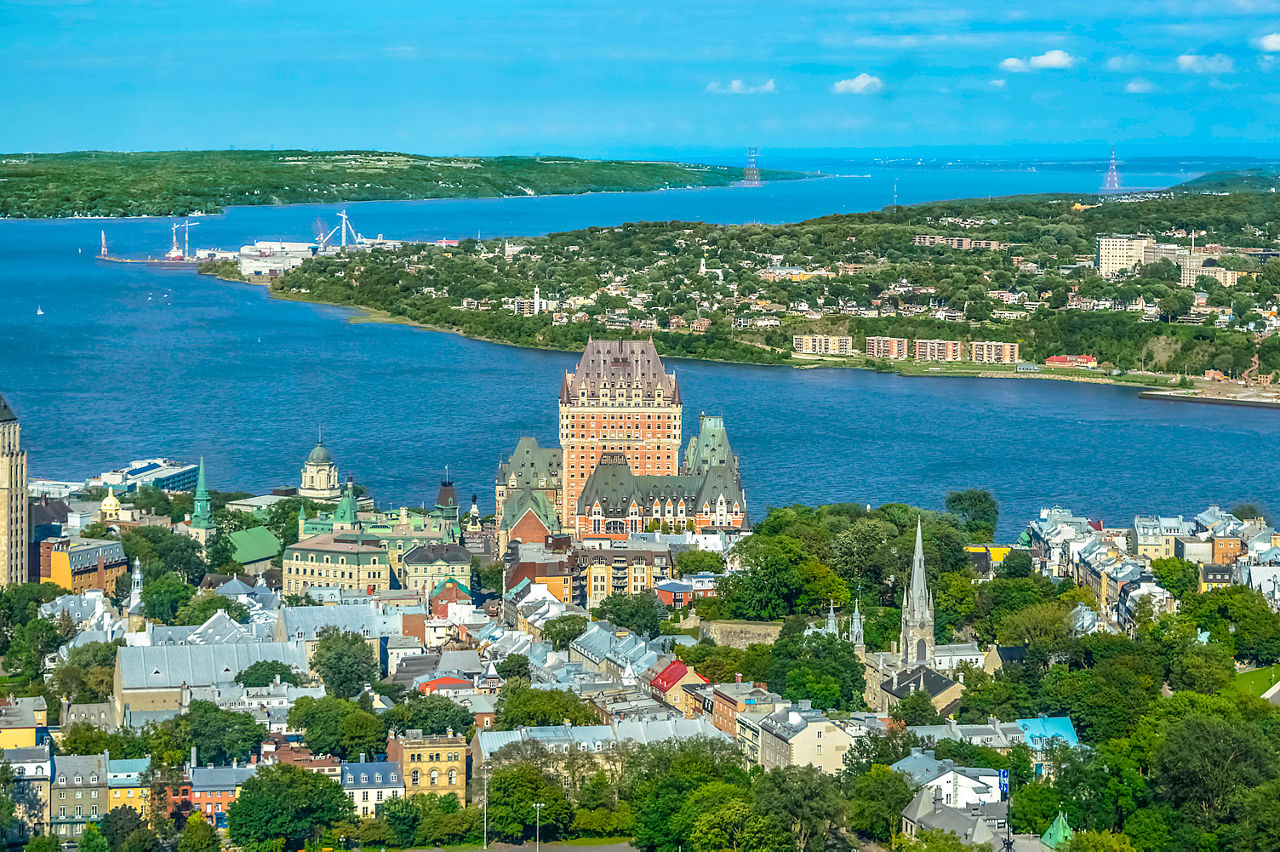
x=431, y=764
x=1119, y=252
x=802, y=736
x=1192, y=271
x=993, y=352
x=961, y=243
x=823, y=344
x=892, y=348
x=939, y=350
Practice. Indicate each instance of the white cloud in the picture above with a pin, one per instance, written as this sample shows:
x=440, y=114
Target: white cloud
x=999, y=84
x=863, y=84
x=1139, y=86
x=1270, y=43
x=1122, y=63
x=1195, y=63
x=737, y=87
x=1050, y=59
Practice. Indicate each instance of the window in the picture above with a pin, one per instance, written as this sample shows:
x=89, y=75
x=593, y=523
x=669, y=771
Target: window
x=62, y=811
x=364, y=797
x=435, y=777
x=93, y=810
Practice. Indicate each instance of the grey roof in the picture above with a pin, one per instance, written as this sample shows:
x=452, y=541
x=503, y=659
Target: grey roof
x=614, y=361
x=204, y=778
x=305, y=622
x=923, y=767
x=463, y=662
x=971, y=826
x=171, y=666
x=615, y=488
x=531, y=465
x=68, y=766
x=371, y=775
x=6, y=413
x=29, y=754
x=917, y=679
x=429, y=554
x=319, y=455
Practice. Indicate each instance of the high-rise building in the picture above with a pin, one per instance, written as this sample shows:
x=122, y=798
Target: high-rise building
x=1119, y=252
x=620, y=400
x=893, y=348
x=13, y=499
x=993, y=352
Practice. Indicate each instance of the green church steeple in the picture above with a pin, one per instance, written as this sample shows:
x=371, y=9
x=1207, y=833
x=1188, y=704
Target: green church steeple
x=344, y=514
x=202, y=512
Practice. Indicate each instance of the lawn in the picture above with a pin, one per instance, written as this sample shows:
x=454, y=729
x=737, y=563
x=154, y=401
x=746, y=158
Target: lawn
x=1254, y=682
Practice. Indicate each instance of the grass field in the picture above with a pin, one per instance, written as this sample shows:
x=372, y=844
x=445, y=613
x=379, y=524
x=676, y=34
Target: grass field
x=1255, y=682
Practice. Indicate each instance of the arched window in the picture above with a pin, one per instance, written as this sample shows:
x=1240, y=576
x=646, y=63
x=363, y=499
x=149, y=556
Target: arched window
x=435, y=777
x=453, y=777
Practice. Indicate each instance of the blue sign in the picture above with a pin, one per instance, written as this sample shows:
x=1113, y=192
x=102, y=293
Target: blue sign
x=1004, y=781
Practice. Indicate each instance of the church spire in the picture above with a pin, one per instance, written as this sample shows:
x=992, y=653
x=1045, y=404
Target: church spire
x=202, y=508
x=919, y=589
x=856, y=635
x=832, y=630
x=917, y=611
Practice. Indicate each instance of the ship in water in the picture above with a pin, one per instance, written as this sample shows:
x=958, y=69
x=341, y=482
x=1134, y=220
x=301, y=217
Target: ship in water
x=178, y=255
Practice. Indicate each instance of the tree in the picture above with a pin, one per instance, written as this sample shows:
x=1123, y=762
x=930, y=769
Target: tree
x=1249, y=512
x=876, y=801
x=198, y=836
x=92, y=840
x=1204, y=761
x=642, y=614
x=164, y=596
x=1032, y=808
x=978, y=509
x=515, y=665
x=265, y=672
x=700, y=562
x=804, y=800
x=362, y=733
x=220, y=736
x=1044, y=623
x=1096, y=841
x=118, y=823
x=431, y=714
x=513, y=791
x=1017, y=564
x=200, y=608
x=321, y=721
x=1179, y=576
x=344, y=661
x=735, y=825
x=563, y=630
x=287, y=803
x=916, y=709
x=521, y=705
x=141, y=839
x=43, y=843
x=401, y=816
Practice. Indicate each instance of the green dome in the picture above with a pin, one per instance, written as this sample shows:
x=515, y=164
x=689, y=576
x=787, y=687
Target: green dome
x=320, y=455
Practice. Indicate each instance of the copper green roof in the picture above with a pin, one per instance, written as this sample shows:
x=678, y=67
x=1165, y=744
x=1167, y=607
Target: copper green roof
x=254, y=545
x=520, y=502
x=1058, y=834
x=440, y=586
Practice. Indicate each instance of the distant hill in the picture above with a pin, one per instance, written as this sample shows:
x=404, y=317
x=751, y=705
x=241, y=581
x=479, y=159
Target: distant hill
x=1236, y=180
x=178, y=183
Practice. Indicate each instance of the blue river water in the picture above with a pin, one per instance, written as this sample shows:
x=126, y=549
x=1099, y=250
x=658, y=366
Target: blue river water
x=133, y=361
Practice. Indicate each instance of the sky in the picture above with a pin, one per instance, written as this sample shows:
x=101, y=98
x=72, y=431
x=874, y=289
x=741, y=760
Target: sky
x=642, y=78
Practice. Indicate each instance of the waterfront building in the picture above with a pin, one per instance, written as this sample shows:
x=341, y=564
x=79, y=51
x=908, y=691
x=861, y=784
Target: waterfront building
x=347, y=560
x=164, y=474
x=620, y=400
x=320, y=474
x=13, y=499
x=993, y=352
x=939, y=350
x=823, y=344
x=434, y=765
x=892, y=348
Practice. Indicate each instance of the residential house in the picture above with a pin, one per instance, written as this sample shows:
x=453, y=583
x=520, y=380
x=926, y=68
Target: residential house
x=370, y=783
x=961, y=786
x=78, y=794
x=802, y=736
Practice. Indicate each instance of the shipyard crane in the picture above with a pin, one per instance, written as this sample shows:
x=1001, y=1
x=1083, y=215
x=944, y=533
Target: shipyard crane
x=343, y=228
x=174, y=254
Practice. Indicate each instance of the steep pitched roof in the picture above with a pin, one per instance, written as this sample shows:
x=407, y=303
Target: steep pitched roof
x=615, y=362
x=6, y=413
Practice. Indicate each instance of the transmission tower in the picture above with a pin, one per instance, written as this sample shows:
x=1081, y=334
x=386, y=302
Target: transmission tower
x=751, y=174
x=1113, y=176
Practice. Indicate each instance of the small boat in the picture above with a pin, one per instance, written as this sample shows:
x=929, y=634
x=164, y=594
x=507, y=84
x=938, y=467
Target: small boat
x=39, y=311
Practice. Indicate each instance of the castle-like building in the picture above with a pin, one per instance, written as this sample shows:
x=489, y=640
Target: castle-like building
x=618, y=469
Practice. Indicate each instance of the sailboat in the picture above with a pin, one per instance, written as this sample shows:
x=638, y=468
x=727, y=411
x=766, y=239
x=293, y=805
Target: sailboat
x=39, y=311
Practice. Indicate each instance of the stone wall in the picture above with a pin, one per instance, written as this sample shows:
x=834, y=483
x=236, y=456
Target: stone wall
x=740, y=634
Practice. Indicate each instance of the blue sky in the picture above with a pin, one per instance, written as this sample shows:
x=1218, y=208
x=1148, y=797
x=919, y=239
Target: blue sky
x=632, y=78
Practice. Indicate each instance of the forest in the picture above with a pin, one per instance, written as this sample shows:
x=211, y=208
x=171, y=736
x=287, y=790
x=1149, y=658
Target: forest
x=181, y=183
x=672, y=273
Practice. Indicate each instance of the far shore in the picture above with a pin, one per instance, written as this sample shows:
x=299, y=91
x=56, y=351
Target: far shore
x=1158, y=386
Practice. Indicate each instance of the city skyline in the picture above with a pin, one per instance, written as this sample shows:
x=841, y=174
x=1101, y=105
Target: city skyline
x=642, y=80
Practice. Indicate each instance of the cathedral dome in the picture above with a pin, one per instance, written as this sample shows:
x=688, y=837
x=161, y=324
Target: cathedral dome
x=110, y=504
x=320, y=455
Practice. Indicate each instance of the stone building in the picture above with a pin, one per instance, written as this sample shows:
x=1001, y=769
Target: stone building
x=320, y=475
x=431, y=764
x=13, y=499
x=348, y=560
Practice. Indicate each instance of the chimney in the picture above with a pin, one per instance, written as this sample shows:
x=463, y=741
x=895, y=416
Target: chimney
x=235, y=763
x=362, y=757
x=937, y=800
x=737, y=677
x=194, y=763
x=448, y=732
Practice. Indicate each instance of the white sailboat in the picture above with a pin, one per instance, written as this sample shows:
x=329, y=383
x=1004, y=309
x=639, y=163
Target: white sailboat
x=39, y=311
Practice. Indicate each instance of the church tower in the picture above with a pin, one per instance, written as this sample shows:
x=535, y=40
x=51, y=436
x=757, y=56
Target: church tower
x=202, y=526
x=320, y=474
x=917, y=612
x=137, y=621
x=856, y=633
x=13, y=499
